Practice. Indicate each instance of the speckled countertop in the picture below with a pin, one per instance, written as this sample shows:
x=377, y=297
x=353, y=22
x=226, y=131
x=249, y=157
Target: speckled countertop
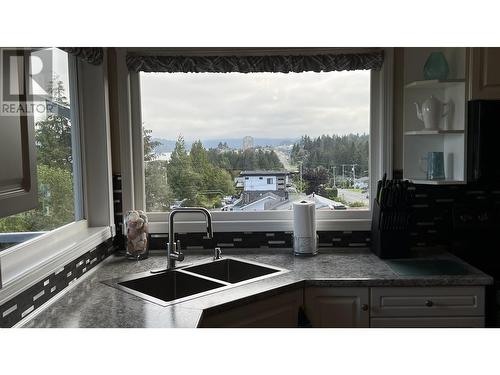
x=91, y=303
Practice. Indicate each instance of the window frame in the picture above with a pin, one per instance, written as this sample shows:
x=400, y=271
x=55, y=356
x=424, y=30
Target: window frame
x=25, y=263
x=380, y=161
x=76, y=154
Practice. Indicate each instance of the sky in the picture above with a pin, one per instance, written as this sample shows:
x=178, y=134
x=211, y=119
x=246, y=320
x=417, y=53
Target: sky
x=59, y=67
x=262, y=105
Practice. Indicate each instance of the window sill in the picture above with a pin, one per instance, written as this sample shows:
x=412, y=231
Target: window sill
x=26, y=263
x=361, y=224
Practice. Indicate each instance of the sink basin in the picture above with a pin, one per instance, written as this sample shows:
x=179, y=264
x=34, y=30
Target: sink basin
x=168, y=287
x=165, y=287
x=231, y=270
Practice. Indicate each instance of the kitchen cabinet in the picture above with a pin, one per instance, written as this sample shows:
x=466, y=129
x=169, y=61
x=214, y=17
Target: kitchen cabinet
x=484, y=73
x=18, y=185
x=279, y=311
x=337, y=307
x=448, y=136
x=431, y=307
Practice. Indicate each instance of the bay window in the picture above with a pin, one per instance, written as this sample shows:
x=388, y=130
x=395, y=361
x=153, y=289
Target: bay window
x=72, y=211
x=58, y=167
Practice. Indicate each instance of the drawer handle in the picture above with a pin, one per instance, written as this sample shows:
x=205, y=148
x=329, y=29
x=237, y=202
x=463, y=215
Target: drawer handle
x=364, y=307
x=429, y=303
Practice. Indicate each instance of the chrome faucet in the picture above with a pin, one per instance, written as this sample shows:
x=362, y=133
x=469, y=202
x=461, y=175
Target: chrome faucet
x=174, y=247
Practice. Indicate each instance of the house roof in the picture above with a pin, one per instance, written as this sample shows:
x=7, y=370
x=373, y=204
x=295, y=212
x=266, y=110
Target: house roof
x=264, y=173
x=320, y=202
x=264, y=197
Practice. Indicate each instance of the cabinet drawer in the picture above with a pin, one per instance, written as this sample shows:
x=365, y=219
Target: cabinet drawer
x=430, y=301
x=429, y=322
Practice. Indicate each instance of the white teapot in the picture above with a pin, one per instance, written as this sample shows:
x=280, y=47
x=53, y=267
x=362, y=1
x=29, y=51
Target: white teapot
x=432, y=111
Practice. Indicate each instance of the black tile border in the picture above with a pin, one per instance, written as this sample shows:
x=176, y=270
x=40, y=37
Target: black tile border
x=247, y=240
x=118, y=240
x=36, y=295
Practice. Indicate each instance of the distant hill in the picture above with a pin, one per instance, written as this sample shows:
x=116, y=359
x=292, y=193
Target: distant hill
x=168, y=145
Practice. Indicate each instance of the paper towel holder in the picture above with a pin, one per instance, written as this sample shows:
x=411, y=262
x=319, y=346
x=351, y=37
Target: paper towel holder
x=305, y=246
x=305, y=237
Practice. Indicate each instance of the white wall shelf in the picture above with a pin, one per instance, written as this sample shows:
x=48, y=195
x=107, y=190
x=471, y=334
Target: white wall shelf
x=435, y=84
x=449, y=138
x=436, y=182
x=433, y=132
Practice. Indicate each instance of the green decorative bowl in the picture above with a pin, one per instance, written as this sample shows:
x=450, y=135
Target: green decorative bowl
x=436, y=67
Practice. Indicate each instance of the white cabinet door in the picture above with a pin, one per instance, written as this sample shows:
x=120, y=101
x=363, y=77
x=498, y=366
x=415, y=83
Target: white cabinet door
x=427, y=301
x=337, y=307
x=18, y=186
x=280, y=311
x=484, y=73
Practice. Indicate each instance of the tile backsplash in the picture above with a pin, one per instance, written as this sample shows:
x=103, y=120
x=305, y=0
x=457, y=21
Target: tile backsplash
x=260, y=239
x=439, y=209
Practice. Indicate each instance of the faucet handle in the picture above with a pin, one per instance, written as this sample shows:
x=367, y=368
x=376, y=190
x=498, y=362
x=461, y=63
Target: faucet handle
x=217, y=253
x=180, y=254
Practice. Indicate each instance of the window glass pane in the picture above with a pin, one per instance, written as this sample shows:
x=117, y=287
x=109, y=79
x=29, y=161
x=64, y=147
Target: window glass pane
x=53, y=135
x=253, y=142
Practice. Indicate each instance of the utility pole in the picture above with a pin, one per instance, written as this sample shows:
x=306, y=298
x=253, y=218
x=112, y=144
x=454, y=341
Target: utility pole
x=334, y=183
x=353, y=173
x=301, y=183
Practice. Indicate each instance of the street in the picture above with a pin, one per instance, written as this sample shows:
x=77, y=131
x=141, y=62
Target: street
x=353, y=196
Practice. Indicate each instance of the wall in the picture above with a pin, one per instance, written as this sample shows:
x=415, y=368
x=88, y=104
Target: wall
x=259, y=183
x=398, y=97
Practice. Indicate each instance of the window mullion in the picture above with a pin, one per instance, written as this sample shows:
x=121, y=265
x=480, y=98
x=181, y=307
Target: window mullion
x=75, y=138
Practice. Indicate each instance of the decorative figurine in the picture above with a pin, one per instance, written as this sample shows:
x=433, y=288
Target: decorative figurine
x=136, y=223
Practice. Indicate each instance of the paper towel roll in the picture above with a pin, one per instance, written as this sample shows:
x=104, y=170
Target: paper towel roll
x=304, y=228
x=304, y=219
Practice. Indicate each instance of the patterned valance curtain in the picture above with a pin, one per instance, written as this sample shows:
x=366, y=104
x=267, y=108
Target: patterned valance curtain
x=272, y=63
x=92, y=55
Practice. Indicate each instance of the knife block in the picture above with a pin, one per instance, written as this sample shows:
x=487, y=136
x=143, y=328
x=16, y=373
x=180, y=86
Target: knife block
x=389, y=235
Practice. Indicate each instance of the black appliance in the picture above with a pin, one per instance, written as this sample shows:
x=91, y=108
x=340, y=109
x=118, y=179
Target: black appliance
x=476, y=222
x=483, y=137
x=475, y=240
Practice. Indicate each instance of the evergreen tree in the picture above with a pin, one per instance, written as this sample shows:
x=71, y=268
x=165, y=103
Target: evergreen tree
x=158, y=194
x=182, y=178
x=53, y=135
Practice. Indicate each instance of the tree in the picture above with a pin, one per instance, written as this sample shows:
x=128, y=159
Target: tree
x=213, y=182
x=54, y=170
x=182, y=178
x=315, y=177
x=199, y=157
x=329, y=151
x=55, y=203
x=149, y=145
x=53, y=135
x=158, y=193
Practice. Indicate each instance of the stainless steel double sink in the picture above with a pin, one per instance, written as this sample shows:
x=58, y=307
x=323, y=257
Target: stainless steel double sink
x=169, y=287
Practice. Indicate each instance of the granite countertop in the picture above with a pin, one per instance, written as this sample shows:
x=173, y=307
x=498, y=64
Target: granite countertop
x=90, y=303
